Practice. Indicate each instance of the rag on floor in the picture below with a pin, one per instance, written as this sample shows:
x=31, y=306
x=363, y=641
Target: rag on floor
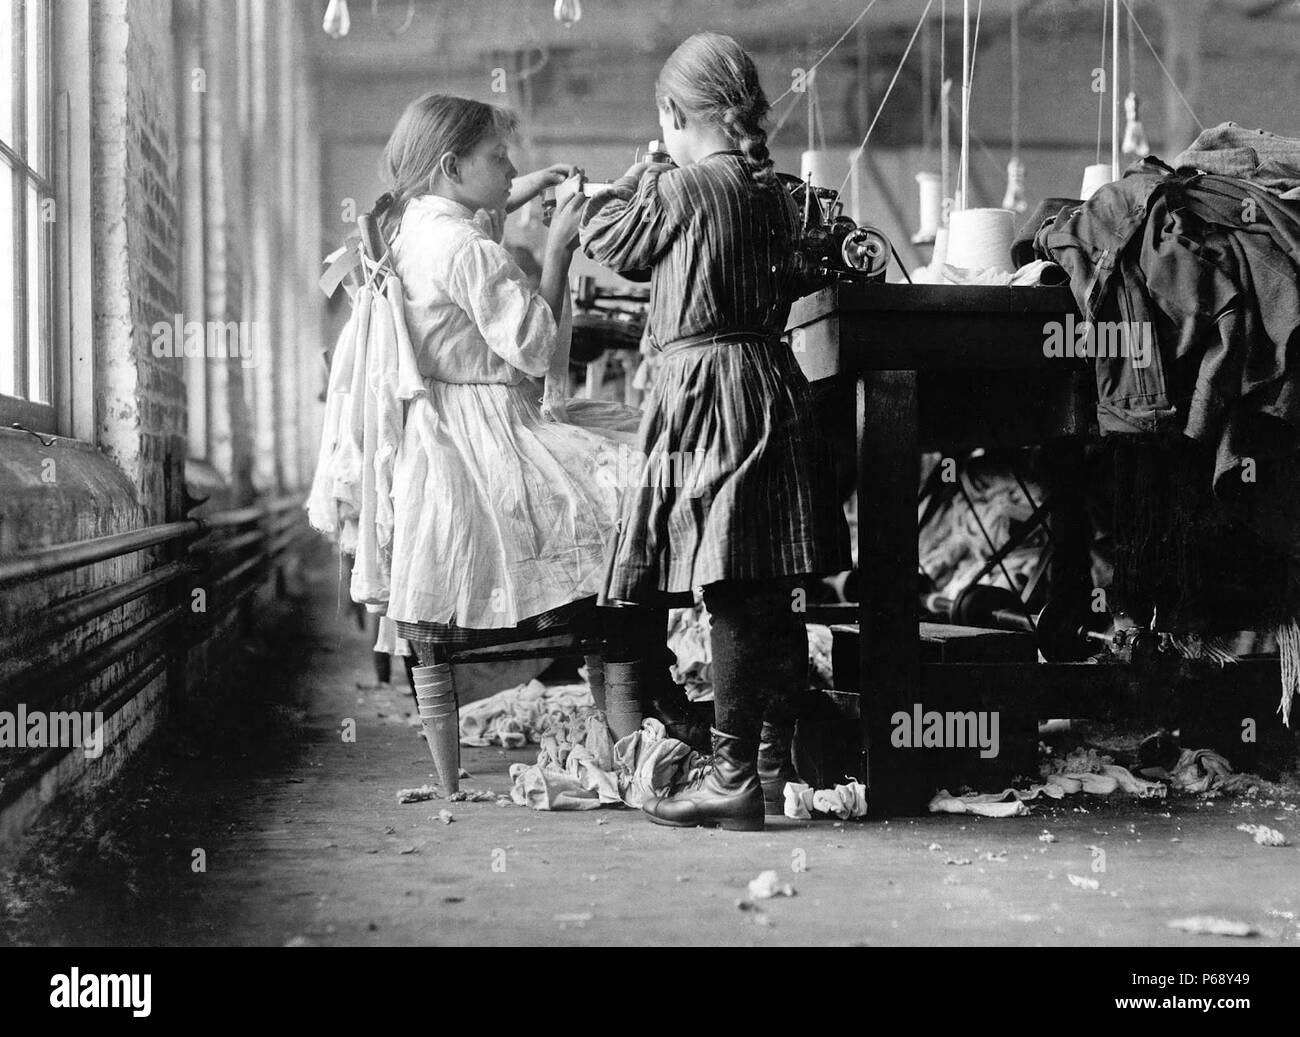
x=1083, y=770
x=802, y=801
x=1200, y=770
x=595, y=773
x=517, y=716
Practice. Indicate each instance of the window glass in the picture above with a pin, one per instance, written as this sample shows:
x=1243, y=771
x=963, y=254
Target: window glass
x=8, y=286
x=8, y=95
x=38, y=302
x=38, y=63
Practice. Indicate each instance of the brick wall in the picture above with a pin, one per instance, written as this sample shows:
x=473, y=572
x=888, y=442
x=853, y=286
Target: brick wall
x=128, y=476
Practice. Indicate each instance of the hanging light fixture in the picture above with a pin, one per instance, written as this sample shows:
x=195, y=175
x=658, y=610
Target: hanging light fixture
x=1135, y=143
x=1014, y=199
x=1135, y=134
x=338, y=22
x=568, y=12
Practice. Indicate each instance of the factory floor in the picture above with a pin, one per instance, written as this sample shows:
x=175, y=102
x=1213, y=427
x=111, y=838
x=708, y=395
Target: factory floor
x=303, y=842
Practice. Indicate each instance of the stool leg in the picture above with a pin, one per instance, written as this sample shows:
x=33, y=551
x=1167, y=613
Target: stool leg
x=435, y=694
x=623, y=698
x=596, y=680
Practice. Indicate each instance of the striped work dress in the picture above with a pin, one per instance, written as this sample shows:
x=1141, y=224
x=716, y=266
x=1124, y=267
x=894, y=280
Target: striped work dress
x=735, y=479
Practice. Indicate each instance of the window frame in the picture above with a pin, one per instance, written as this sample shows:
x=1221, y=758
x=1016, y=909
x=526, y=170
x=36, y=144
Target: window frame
x=67, y=81
x=15, y=162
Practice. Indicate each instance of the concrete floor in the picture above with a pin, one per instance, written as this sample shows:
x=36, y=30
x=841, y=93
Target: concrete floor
x=305, y=843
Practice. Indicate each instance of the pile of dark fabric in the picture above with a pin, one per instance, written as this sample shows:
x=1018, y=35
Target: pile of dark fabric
x=1188, y=277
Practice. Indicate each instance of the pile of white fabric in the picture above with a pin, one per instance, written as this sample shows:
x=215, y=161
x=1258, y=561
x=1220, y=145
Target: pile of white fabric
x=580, y=767
x=517, y=716
x=1198, y=771
x=1083, y=770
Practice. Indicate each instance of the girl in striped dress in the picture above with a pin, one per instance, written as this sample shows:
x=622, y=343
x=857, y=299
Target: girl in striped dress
x=716, y=233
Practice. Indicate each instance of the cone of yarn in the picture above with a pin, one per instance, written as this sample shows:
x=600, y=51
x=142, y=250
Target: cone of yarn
x=1094, y=176
x=824, y=168
x=980, y=239
x=931, y=187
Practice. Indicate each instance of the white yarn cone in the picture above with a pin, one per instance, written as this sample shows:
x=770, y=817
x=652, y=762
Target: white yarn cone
x=1095, y=176
x=824, y=168
x=931, y=185
x=980, y=239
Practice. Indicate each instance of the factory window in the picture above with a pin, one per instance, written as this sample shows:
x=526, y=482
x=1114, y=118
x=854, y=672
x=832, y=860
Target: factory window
x=27, y=216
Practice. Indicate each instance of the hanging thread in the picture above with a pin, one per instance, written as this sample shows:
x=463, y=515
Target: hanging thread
x=885, y=100
x=1199, y=125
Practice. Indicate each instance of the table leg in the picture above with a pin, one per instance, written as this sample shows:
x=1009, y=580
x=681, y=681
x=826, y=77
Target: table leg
x=888, y=470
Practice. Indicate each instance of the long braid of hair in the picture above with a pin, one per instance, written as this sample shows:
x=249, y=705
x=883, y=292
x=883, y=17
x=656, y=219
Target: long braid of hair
x=712, y=78
x=749, y=135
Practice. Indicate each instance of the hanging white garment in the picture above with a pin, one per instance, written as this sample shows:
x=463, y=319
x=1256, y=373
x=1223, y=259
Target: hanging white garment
x=373, y=375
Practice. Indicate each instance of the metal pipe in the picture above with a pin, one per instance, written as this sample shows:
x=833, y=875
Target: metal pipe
x=50, y=561
x=85, y=668
x=238, y=517
x=91, y=606
x=30, y=770
x=236, y=543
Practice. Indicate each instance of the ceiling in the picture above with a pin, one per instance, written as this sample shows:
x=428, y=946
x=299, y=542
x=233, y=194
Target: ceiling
x=457, y=35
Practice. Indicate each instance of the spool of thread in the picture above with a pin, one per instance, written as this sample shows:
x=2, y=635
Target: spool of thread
x=1095, y=176
x=980, y=239
x=931, y=187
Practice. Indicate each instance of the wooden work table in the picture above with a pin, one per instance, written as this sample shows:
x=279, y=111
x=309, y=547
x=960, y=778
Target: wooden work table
x=938, y=367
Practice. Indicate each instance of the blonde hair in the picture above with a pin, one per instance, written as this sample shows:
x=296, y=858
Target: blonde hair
x=712, y=78
x=431, y=126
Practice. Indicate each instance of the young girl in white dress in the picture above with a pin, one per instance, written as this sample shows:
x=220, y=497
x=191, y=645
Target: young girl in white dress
x=503, y=503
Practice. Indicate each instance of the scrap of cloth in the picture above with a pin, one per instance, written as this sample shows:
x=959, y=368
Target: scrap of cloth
x=1084, y=770
x=802, y=801
x=593, y=772
x=517, y=716
x=1200, y=770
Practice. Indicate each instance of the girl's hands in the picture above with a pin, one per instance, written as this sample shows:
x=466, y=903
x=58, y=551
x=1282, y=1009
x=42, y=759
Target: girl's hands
x=565, y=224
x=634, y=173
x=530, y=185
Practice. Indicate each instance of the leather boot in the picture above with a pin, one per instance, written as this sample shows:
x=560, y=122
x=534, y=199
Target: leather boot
x=775, y=765
x=684, y=720
x=725, y=791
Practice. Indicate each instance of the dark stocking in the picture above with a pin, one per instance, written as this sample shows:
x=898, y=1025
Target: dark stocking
x=760, y=656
